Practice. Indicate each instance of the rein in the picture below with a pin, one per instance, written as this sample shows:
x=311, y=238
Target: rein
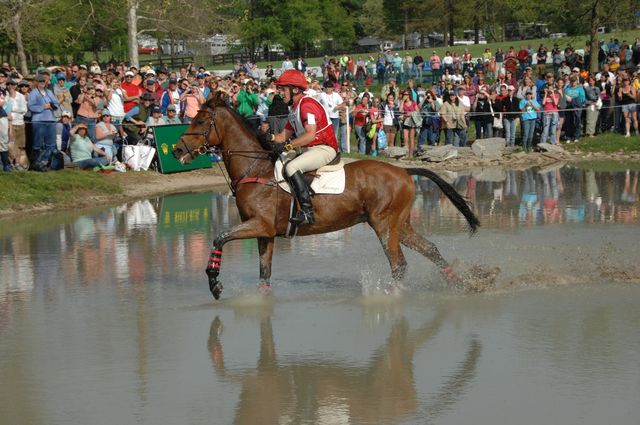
x=206, y=148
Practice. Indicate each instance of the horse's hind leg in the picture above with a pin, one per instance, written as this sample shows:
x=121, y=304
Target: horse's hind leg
x=412, y=240
x=388, y=234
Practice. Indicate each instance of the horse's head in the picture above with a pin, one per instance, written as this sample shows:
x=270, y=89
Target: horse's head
x=203, y=133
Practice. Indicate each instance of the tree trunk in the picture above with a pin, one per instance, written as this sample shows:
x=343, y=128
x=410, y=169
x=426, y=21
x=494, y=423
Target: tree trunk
x=594, y=43
x=450, y=23
x=132, y=21
x=17, y=30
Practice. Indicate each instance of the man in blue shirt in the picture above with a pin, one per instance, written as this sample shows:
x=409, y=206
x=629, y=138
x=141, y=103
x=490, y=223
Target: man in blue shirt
x=43, y=103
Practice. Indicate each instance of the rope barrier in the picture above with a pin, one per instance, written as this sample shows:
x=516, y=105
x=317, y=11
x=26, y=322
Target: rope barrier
x=397, y=114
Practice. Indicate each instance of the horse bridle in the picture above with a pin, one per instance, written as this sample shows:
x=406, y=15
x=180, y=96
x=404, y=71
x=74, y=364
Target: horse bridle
x=205, y=148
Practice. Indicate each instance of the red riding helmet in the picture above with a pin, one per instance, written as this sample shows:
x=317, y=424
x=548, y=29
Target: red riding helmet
x=293, y=78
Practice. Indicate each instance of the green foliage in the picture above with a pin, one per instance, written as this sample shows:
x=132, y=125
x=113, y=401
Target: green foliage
x=298, y=24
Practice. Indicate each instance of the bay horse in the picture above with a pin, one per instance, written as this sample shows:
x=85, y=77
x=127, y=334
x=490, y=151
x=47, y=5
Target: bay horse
x=376, y=192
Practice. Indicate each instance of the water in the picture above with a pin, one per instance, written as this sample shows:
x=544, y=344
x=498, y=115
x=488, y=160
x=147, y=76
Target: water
x=106, y=317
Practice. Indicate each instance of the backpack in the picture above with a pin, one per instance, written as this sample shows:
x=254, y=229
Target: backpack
x=42, y=160
x=57, y=161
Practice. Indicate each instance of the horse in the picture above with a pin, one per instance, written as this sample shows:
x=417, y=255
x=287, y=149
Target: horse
x=376, y=192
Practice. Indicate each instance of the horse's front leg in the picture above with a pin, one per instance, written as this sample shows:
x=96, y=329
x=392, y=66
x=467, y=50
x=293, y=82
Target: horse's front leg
x=250, y=229
x=265, y=249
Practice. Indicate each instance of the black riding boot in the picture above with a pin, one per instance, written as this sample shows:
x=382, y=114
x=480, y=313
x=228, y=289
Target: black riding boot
x=301, y=190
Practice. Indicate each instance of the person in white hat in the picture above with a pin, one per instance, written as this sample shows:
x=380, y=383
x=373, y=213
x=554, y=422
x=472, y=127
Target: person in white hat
x=130, y=90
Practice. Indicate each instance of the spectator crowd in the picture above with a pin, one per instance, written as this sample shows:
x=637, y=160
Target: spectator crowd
x=544, y=95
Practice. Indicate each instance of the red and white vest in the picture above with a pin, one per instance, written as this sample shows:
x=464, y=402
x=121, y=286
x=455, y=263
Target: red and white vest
x=309, y=111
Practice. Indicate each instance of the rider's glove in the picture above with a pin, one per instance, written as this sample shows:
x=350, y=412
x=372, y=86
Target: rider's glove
x=278, y=148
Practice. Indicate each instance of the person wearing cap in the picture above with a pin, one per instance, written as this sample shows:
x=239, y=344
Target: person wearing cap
x=172, y=115
x=529, y=107
x=42, y=103
x=114, y=96
x=171, y=96
x=135, y=120
x=84, y=153
x=332, y=102
x=576, y=98
x=161, y=82
x=156, y=117
x=130, y=90
x=63, y=94
x=106, y=132
x=390, y=88
x=309, y=126
x=151, y=86
x=63, y=133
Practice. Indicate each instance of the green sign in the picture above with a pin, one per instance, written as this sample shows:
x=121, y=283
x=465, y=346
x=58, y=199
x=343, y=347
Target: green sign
x=167, y=136
x=185, y=213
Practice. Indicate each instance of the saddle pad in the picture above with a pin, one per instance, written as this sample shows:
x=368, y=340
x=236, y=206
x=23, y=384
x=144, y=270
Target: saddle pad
x=326, y=182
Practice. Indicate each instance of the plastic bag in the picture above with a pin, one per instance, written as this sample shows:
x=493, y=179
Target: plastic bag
x=382, y=140
x=372, y=131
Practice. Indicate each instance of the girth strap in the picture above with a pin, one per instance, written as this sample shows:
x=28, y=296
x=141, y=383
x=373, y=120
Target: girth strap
x=261, y=180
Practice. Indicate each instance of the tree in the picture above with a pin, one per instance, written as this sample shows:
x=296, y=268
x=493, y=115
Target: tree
x=373, y=19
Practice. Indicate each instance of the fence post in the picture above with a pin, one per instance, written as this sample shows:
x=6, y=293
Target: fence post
x=348, y=132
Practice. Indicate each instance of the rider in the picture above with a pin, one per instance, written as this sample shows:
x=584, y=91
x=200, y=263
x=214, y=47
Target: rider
x=311, y=129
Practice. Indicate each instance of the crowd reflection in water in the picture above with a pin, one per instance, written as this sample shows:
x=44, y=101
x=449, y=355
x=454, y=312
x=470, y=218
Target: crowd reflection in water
x=533, y=197
x=287, y=390
x=150, y=239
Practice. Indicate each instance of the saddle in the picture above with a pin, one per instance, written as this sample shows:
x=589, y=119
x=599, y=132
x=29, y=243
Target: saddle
x=328, y=179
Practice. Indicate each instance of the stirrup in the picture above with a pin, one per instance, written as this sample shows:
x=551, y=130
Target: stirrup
x=302, y=218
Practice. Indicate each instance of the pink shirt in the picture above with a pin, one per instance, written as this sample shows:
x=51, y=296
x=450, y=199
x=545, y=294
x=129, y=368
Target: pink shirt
x=548, y=105
x=191, y=106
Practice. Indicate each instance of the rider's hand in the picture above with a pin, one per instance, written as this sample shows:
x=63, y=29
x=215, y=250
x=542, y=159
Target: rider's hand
x=278, y=148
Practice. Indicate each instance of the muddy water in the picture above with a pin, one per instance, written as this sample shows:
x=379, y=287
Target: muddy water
x=105, y=317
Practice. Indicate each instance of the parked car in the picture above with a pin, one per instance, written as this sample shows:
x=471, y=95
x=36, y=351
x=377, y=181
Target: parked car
x=148, y=50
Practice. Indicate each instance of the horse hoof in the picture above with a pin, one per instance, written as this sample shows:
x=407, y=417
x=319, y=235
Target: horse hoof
x=216, y=290
x=450, y=275
x=264, y=289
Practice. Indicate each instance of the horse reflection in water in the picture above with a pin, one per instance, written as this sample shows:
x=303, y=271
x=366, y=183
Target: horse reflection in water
x=308, y=392
x=377, y=193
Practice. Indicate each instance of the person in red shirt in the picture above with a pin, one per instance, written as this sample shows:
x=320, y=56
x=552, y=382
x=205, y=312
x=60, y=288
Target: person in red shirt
x=131, y=91
x=309, y=126
x=523, y=58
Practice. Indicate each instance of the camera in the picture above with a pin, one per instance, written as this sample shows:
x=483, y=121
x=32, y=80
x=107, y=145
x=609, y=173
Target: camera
x=53, y=107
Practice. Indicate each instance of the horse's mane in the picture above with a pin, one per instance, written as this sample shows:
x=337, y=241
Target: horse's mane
x=262, y=138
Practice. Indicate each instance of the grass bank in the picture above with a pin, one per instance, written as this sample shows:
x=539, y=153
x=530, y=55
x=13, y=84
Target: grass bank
x=31, y=189
x=71, y=189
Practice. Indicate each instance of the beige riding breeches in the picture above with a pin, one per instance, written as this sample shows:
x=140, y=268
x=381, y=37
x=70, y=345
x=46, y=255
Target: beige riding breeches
x=314, y=158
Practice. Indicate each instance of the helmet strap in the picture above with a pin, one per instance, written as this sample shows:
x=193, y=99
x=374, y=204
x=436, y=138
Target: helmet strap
x=290, y=88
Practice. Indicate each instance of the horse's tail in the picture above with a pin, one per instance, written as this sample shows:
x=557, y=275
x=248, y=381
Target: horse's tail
x=457, y=200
